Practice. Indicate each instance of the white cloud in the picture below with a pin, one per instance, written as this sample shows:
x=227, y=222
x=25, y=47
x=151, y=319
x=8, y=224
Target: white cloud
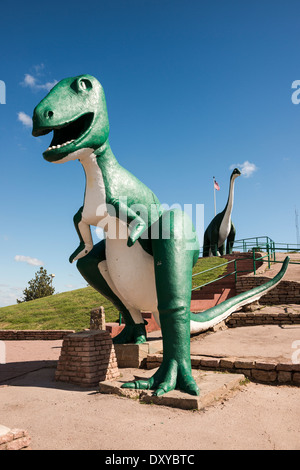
x=28, y=260
x=9, y=294
x=29, y=80
x=38, y=68
x=35, y=84
x=247, y=169
x=25, y=119
x=47, y=86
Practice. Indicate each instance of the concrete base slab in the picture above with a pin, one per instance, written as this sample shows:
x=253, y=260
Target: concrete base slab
x=4, y=430
x=133, y=355
x=213, y=387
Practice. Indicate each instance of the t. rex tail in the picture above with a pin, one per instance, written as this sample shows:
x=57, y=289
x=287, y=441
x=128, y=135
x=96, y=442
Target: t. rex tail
x=204, y=320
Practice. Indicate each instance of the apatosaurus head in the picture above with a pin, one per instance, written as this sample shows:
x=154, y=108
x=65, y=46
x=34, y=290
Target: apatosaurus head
x=75, y=110
x=236, y=172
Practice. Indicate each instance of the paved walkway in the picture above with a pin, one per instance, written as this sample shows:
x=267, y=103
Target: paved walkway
x=23, y=357
x=293, y=270
x=265, y=343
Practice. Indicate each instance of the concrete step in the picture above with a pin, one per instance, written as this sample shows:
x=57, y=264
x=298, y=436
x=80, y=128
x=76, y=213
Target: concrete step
x=199, y=305
x=198, y=295
x=215, y=288
x=201, y=295
x=214, y=296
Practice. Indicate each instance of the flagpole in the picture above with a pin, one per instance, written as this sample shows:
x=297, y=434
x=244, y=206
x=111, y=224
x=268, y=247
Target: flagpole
x=215, y=196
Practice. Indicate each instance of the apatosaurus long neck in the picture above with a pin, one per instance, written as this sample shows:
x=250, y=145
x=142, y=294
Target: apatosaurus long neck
x=229, y=205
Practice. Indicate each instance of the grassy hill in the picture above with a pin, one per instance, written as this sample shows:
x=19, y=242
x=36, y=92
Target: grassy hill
x=71, y=310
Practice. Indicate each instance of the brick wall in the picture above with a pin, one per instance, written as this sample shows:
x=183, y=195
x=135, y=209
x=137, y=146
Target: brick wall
x=87, y=358
x=260, y=318
x=31, y=335
x=286, y=292
x=244, y=261
x=15, y=439
x=258, y=371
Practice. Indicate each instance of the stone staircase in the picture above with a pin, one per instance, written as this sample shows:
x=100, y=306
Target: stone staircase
x=225, y=288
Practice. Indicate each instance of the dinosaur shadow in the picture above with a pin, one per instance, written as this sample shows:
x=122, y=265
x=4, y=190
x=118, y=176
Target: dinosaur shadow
x=39, y=374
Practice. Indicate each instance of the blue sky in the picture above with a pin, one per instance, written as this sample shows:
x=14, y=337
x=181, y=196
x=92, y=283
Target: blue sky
x=192, y=88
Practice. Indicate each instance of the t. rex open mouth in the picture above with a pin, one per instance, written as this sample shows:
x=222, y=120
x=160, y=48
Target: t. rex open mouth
x=68, y=133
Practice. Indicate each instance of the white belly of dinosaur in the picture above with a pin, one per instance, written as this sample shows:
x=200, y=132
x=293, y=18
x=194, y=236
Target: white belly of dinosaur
x=224, y=229
x=132, y=272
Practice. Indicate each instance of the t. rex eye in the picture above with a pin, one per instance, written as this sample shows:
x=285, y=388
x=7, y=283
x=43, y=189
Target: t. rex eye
x=85, y=84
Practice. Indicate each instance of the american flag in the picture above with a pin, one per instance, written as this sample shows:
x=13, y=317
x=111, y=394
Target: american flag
x=216, y=186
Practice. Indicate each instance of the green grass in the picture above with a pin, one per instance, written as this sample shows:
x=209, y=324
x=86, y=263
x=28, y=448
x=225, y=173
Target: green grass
x=71, y=310
x=68, y=310
x=207, y=263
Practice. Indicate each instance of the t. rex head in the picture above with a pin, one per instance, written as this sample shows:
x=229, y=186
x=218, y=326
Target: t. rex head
x=75, y=110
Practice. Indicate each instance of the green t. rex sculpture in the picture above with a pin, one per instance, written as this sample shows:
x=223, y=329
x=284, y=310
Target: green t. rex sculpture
x=145, y=261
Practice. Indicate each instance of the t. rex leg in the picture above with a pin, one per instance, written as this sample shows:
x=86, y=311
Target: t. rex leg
x=174, y=257
x=230, y=240
x=89, y=269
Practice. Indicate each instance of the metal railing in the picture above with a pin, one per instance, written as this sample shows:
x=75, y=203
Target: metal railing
x=264, y=242
x=218, y=278
x=260, y=243
x=254, y=244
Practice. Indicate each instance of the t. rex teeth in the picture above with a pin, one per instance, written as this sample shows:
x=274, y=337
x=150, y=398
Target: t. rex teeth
x=60, y=145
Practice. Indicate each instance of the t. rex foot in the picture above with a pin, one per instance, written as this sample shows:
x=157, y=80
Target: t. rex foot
x=131, y=334
x=169, y=376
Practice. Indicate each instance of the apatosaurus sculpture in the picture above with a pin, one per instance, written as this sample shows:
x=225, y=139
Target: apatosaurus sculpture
x=221, y=228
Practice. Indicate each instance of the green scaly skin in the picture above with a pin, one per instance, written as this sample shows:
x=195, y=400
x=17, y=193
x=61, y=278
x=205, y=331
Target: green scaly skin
x=75, y=109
